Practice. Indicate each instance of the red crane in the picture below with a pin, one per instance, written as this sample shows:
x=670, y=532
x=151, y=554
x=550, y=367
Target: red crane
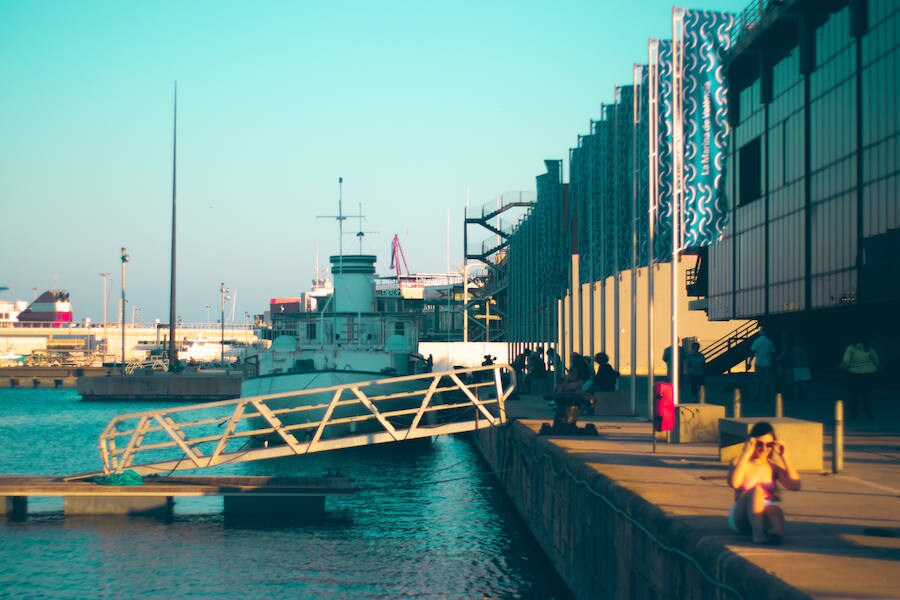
x=396, y=257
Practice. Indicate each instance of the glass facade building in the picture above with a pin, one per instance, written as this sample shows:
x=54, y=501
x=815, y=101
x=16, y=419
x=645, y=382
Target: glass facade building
x=812, y=168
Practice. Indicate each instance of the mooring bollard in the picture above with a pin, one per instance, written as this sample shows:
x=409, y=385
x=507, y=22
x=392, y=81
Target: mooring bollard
x=779, y=405
x=837, y=454
x=702, y=394
x=737, y=403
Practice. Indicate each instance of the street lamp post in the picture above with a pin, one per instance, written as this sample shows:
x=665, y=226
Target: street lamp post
x=207, y=313
x=125, y=258
x=224, y=290
x=105, y=277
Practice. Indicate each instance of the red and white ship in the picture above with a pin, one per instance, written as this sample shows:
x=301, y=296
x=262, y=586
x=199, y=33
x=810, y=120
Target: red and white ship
x=50, y=309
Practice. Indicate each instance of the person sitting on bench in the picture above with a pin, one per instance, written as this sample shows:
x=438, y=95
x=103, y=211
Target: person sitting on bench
x=606, y=377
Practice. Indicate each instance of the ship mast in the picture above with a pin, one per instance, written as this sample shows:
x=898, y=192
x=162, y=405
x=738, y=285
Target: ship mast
x=173, y=353
x=340, y=219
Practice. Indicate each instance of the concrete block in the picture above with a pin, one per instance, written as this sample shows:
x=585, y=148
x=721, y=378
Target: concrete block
x=118, y=505
x=697, y=422
x=612, y=404
x=16, y=507
x=804, y=439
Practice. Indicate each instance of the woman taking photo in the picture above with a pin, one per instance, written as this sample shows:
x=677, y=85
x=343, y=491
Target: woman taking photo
x=755, y=476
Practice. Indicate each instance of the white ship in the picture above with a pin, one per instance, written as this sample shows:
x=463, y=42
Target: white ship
x=344, y=341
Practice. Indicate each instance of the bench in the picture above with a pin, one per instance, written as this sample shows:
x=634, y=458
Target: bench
x=804, y=439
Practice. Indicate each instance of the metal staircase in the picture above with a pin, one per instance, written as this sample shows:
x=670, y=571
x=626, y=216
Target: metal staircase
x=305, y=421
x=726, y=352
x=492, y=255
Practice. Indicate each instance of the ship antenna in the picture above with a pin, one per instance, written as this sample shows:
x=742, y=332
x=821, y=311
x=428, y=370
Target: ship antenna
x=173, y=355
x=361, y=234
x=340, y=219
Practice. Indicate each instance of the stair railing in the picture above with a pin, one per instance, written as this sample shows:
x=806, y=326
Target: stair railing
x=730, y=340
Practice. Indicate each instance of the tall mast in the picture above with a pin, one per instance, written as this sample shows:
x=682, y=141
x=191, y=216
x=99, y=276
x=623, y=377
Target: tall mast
x=173, y=354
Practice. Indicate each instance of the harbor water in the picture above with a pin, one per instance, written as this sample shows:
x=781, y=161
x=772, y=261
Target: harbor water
x=427, y=522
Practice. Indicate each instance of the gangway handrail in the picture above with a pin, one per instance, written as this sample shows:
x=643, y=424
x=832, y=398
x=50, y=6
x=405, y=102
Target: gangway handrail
x=206, y=435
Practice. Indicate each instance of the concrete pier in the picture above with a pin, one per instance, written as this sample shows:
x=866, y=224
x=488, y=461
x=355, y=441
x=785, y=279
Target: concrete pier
x=183, y=387
x=620, y=521
x=244, y=496
x=47, y=377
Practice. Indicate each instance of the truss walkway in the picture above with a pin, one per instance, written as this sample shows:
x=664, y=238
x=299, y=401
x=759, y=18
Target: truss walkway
x=306, y=421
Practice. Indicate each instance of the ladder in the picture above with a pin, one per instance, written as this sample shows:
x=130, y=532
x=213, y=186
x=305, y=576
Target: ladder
x=301, y=422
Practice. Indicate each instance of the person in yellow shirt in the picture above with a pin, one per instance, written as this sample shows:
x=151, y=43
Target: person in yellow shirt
x=861, y=364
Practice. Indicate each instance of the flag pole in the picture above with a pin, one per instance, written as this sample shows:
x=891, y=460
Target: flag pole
x=173, y=352
x=653, y=180
x=635, y=174
x=678, y=188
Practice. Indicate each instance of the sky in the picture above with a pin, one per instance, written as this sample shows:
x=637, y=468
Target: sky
x=420, y=107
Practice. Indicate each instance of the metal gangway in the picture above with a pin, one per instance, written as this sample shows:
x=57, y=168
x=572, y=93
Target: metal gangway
x=306, y=421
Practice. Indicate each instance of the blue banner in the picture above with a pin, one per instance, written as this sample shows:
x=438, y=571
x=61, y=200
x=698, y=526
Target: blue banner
x=641, y=165
x=706, y=37
x=579, y=203
x=608, y=192
x=594, y=145
x=624, y=128
x=662, y=236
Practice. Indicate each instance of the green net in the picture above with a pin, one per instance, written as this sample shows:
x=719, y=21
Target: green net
x=127, y=477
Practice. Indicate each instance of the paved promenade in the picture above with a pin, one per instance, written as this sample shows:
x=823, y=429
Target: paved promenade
x=843, y=532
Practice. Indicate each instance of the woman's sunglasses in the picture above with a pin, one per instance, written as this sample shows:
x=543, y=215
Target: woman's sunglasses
x=761, y=445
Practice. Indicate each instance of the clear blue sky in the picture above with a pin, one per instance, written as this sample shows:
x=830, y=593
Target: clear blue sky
x=412, y=103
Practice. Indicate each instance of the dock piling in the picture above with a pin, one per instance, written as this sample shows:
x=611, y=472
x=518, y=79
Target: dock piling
x=837, y=455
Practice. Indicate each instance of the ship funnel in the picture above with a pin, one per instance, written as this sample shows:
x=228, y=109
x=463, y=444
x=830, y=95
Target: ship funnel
x=354, y=282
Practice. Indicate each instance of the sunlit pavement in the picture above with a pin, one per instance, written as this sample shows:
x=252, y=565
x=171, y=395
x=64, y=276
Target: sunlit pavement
x=843, y=535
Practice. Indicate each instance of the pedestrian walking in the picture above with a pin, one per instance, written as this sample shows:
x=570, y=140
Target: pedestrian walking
x=861, y=363
x=763, y=349
x=695, y=365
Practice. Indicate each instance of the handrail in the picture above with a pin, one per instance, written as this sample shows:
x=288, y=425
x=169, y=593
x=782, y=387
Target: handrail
x=730, y=340
x=752, y=16
x=206, y=435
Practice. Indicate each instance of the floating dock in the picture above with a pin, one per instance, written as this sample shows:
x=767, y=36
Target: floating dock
x=48, y=377
x=181, y=387
x=244, y=496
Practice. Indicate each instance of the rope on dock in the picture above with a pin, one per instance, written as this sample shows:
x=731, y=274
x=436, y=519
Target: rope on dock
x=127, y=477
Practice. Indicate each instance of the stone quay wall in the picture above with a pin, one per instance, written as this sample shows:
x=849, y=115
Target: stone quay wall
x=606, y=541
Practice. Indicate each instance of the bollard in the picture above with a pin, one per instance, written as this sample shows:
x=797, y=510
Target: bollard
x=779, y=406
x=837, y=455
x=737, y=403
x=702, y=394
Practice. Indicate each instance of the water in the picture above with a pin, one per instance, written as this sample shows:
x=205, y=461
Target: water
x=429, y=522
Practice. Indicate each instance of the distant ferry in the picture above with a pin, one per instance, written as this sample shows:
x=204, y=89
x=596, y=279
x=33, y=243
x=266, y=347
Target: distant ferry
x=50, y=309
